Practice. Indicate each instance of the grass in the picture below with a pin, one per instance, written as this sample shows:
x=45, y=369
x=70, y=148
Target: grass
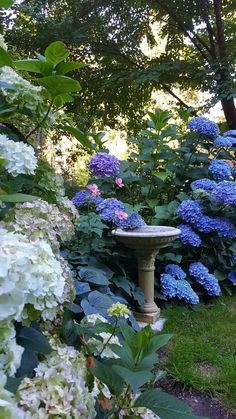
x=202, y=352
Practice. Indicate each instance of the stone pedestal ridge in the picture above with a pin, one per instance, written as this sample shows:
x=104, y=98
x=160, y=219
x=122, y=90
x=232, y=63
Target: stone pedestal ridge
x=146, y=243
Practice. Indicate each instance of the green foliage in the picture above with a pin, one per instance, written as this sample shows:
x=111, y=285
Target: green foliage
x=197, y=52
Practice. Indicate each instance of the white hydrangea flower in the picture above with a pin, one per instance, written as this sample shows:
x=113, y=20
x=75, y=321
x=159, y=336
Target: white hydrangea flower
x=26, y=95
x=3, y=42
x=29, y=274
x=91, y=319
x=59, y=388
x=8, y=406
x=10, y=352
x=39, y=219
x=19, y=157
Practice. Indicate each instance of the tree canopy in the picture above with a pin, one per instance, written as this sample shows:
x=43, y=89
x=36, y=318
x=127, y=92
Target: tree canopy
x=120, y=77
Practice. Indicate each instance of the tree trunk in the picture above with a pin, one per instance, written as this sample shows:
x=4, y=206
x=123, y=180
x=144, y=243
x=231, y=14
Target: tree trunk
x=229, y=110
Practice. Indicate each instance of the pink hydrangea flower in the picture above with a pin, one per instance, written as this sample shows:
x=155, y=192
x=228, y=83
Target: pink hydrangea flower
x=119, y=182
x=121, y=215
x=93, y=188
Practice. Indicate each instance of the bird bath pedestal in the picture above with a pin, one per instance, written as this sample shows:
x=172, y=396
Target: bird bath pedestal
x=146, y=242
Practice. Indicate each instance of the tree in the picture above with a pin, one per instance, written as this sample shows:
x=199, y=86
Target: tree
x=199, y=51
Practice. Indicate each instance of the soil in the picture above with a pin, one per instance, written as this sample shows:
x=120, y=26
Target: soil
x=201, y=403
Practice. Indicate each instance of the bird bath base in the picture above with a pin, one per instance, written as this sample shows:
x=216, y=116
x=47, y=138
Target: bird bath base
x=146, y=242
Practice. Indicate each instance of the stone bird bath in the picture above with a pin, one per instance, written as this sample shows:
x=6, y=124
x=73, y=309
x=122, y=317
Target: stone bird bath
x=146, y=242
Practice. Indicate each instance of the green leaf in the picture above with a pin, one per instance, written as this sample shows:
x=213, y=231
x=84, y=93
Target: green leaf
x=29, y=362
x=35, y=66
x=220, y=275
x=80, y=136
x=33, y=339
x=136, y=379
x=59, y=85
x=64, y=68
x=93, y=275
x=4, y=4
x=108, y=376
x=17, y=197
x=156, y=343
x=5, y=58
x=69, y=328
x=164, y=405
x=13, y=384
x=56, y=52
x=162, y=175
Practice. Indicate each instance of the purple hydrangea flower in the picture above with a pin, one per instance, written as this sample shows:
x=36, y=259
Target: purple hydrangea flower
x=104, y=165
x=181, y=289
x=221, y=141
x=175, y=271
x=232, y=277
x=224, y=228
x=108, y=207
x=204, y=126
x=132, y=222
x=225, y=193
x=205, y=184
x=83, y=198
x=204, y=278
x=188, y=236
x=220, y=170
x=190, y=211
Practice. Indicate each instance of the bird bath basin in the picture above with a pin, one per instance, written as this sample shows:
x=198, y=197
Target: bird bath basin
x=146, y=242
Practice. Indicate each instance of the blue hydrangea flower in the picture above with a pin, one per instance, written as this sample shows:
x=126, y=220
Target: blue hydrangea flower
x=220, y=170
x=190, y=211
x=229, y=133
x=108, y=207
x=234, y=257
x=188, y=236
x=205, y=224
x=204, y=278
x=104, y=165
x=181, y=289
x=205, y=184
x=232, y=277
x=225, y=193
x=204, y=126
x=83, y=198
x=133, y=221
x=224, y=228
x=175, y=271
x=221, y=141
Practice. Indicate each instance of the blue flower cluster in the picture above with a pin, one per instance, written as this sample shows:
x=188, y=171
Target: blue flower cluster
x=175, y=271
x=83, y=198
x=188, y=236
x=204, y=126
x=104, y=165
x=204, y=278
x=205, y=184
x=234, y=257
x=225, y=193
x=108, y=207
x=181, y=289
x=190, y=211
x=133, y=221
x=205, y=224
x=221, y=141
x=220, y=170
x=224, y=228
x=232, y=277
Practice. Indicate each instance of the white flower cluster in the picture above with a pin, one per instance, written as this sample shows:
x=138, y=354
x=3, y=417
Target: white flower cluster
x=3, y=43
x=19, y=158
x=8, y=406
x=39, y=219
x=29, y=275
x=10, y=352
x=95, y=345
x=25, y=95
x=59, y=388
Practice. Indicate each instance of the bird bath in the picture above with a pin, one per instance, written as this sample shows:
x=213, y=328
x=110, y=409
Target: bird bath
x=146, y=242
